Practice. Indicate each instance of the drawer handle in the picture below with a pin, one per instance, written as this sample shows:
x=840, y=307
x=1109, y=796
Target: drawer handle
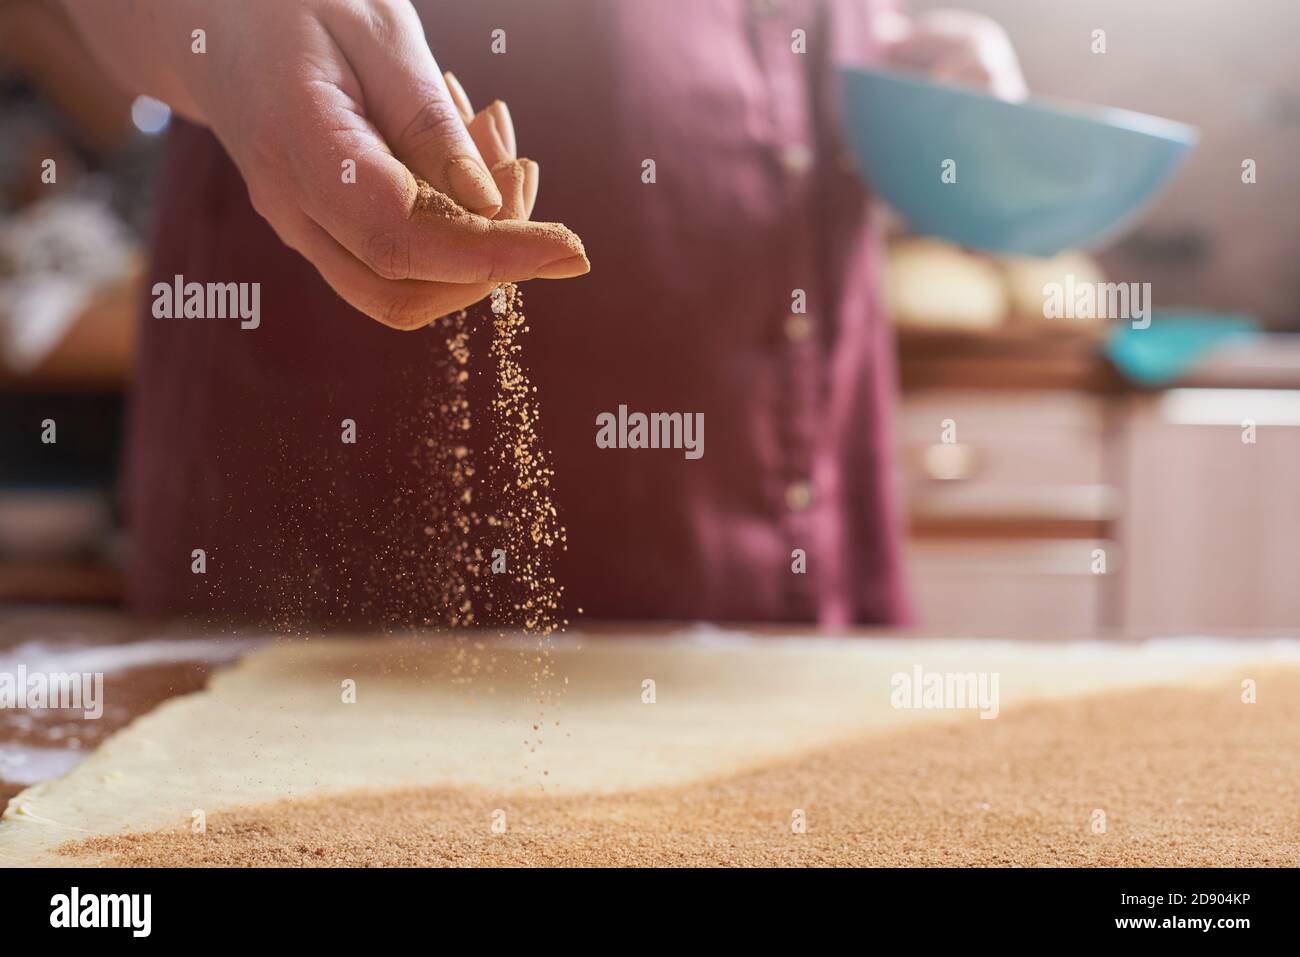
x=948, y=461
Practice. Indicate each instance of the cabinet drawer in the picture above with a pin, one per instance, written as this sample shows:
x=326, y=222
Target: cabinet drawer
x=1030, y=588
x=1029, y=457
x=1022, y=438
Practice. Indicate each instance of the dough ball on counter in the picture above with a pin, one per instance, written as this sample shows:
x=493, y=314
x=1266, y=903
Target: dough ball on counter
x=1026, y=277
x=937, y=285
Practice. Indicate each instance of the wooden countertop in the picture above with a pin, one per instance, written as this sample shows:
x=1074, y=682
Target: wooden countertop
x=1008, y=359
x=1028, y=358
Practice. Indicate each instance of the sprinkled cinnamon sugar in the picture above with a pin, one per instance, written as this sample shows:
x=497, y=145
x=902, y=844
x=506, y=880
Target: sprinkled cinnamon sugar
x=1184, y=777
x=492, y=530
x=527, y=514
x=517, y=515
x=431, y=202
x=447, y=454
x=526, y=518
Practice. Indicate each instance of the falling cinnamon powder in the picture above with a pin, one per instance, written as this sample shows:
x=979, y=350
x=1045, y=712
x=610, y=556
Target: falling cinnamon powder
x=528, y=520
x=447, y=455
x=490, y=523
x=508, y=511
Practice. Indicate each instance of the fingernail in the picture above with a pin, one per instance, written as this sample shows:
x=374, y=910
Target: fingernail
x=565, y=268
x=472, y=187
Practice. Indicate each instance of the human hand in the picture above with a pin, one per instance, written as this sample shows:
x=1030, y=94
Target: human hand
x=956, y=47
x=297, y=92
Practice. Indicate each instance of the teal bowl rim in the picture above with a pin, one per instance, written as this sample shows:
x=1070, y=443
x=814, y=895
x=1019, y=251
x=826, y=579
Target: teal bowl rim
x=1108, y=117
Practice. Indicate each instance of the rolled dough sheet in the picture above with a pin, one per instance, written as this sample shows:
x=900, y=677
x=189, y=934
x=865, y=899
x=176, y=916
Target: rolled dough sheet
x=431, y=712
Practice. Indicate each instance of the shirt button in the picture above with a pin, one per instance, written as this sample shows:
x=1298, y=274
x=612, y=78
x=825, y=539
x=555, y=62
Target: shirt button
x=797, y=157
x=798, y=496
x=798, y=327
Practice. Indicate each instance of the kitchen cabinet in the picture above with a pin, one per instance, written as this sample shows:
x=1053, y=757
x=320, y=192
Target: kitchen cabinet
x=1213, y=528
x=1061, y=502
x=1011, y=509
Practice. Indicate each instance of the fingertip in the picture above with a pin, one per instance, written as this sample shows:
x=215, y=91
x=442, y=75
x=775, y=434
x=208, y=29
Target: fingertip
x=510, y=176
x=473, y=187
x=568, y=268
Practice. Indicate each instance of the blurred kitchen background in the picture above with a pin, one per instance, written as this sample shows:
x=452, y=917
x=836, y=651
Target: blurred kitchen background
x=1077, y=446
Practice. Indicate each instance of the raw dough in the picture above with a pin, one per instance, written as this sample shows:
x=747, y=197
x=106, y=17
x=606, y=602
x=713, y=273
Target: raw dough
x=430, y=712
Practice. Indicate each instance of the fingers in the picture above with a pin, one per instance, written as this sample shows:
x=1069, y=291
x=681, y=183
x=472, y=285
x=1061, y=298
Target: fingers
x=485, y=130
x=956, y=48
x=531, y=173
x=891, y=27
x=381, y=214
x=504, y=125
x=459, y=97
x=473, y=254
x=922, y=51
x=493, y=132
x=401, y=232
x=400, y=304
x=509, y=177
x=408, y=100
x=494, y=137
x=965, y=71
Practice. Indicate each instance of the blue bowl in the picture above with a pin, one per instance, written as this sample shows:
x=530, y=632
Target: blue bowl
x=1031, y=178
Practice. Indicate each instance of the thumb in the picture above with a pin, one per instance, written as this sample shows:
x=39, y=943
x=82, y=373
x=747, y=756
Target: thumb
x=407, y=99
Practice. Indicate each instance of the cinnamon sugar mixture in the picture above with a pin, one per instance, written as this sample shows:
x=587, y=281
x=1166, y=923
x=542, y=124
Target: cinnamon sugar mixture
x=1183, y=777
x=495, y=531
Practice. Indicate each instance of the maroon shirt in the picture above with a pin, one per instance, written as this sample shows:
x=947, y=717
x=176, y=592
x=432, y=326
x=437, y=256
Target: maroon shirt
x=236, y=434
